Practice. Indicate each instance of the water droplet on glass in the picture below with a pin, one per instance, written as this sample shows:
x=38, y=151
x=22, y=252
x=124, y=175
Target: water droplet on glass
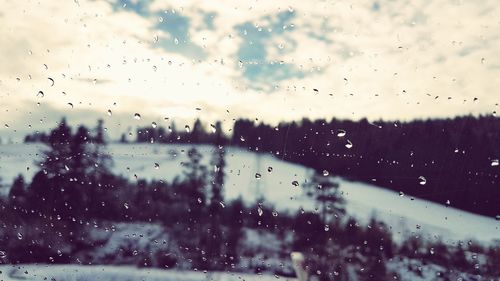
x=325, y=173
x=295, y=183
x=176, y=41
x=187, y=128
x=348, y=144
x=70, y=104
x=125, y=205
x=135, y=252
x=51, y=81
x=222, y=204
x=154, y=125
x=3, y=254
x=258, y=176
x=495, y=163
x=40, y=94
x=341, y=133
x=157, y=166
x=327, y=227
x=137, y=116
x=270, y=169
x=275, y=214
x=110, y=112
x=242, y=138
x=422, y=180
x=19, y=236
x=260, y=211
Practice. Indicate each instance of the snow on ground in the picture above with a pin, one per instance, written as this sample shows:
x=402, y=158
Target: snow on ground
x=122, y=273
x=402, y=214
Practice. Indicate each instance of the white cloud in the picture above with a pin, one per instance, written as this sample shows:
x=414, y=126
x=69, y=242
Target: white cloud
x=439, y=48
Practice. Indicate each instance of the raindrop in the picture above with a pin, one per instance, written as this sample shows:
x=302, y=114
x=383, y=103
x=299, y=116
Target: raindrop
x=495, y=162
x=431, y=250
x=275, y=214
x=154, y=125
x=258, y=176
x=270, y=169
x=295, y=183
x=325, y=173
x=51, y=81
x=188, y=129
x=222, y=204
x=135, y=252
x=497, y=217
x=70, y=104
x=19, y=236
x=110, y=112
x=66, y=167
x=40, y=94
x=3, y=254
x=155, y=39
x=157, y=166
x=213, y=128
x=6, y=125
x=348, y=144
x=176, y=41
x=137, y=116
x=242, y=138
x=327, y=227
x=125, y=205
x=260, y=211
x=422, y=180
x=341, y=133
x=401, y=193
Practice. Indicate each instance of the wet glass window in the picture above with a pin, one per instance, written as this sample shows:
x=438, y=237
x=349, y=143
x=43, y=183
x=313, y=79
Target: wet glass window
x=249, y=140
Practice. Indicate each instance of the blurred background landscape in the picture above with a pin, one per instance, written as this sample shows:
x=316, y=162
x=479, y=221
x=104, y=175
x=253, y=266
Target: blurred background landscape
x=148, y=140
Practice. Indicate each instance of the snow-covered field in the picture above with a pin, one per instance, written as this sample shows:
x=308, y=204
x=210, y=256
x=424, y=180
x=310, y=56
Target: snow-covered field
x=122, y=273
x=401, y=213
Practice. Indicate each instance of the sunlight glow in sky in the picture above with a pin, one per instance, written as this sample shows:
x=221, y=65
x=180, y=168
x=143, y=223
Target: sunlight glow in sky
x=271, y=60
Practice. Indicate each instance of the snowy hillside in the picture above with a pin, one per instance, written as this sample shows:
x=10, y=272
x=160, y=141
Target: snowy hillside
x=402, y=213
x=122, y=273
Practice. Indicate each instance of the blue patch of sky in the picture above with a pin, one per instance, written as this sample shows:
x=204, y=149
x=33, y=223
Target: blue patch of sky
x=174, y=24
x=253, y=54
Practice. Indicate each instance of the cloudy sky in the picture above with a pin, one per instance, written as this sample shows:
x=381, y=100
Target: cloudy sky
x=271, y=60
